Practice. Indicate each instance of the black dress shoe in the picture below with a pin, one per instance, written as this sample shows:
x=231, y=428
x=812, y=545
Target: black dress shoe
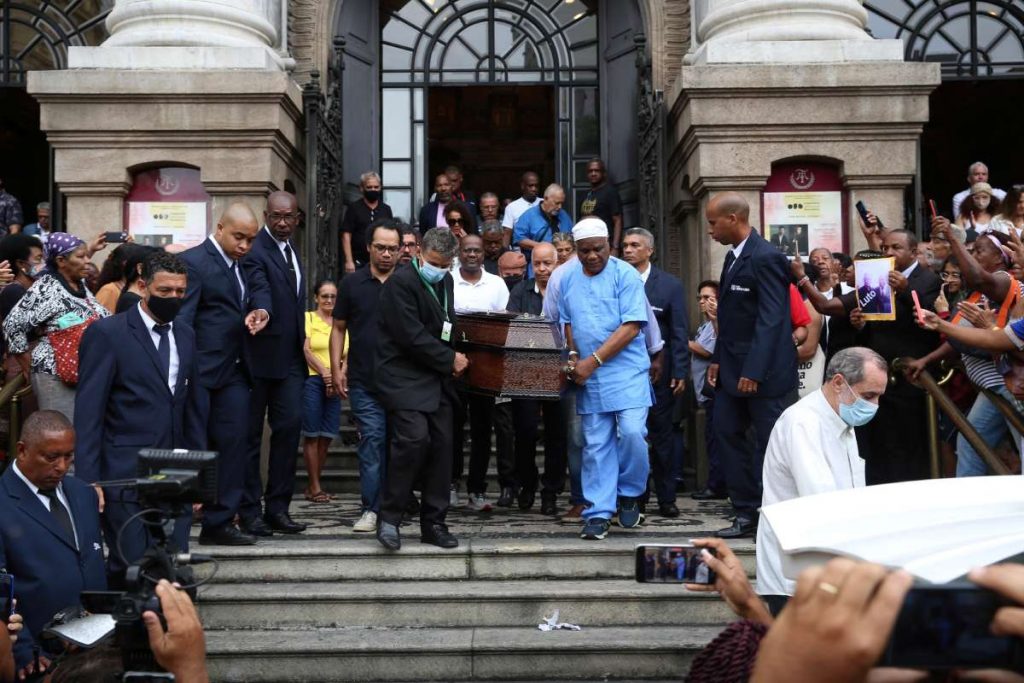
x=526, y=498
x=388, y=536
x=668, y=510
x=548, y=504
x=508, y=494
x=437, y=534
x=282, y=521
x=255, y=526
x=708, y=494
x=741, y=528
x=225, y=535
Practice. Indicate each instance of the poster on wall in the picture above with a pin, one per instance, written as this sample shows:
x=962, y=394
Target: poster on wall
x=157, y=224
x=799, y=222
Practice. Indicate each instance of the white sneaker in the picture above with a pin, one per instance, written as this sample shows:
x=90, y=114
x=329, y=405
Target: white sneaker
x=453, y=497
x=478, y=503
x=367, y=523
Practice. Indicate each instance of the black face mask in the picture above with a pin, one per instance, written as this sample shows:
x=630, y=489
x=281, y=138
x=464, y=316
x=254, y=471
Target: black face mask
x=164, y=308
x=512, y=280
x=372, y=195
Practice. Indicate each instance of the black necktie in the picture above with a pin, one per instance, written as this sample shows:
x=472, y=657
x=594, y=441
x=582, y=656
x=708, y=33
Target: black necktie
x=729, y=258
x=60, y=513
x=292, y=277
x=238, y=283
x=164, y=349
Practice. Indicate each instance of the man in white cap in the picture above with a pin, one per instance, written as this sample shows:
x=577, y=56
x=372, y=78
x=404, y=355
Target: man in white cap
x=603, y=309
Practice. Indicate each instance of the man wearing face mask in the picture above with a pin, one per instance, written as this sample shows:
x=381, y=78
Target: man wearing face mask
x=812, y=449
x=358, y=217
x=136, y=371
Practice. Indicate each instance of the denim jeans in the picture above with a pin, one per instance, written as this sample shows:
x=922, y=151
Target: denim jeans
x=986, y=418
x=574, y=446
x=371, y=421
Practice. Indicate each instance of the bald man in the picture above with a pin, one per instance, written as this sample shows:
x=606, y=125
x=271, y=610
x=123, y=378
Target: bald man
x=540, y=223
x=223, y=306
x=753, y=368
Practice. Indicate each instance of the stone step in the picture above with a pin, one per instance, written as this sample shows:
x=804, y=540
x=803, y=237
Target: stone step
x=438, y=604
x=454, y=654
x=346, y=480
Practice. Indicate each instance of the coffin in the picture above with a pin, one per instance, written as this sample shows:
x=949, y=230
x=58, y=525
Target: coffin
x=511, y=355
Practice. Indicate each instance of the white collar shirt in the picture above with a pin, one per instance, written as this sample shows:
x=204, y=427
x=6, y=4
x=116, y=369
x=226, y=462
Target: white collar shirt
x=172, y=376
x=646, y=273
x=295, y=261
x=230, y=263
x=489, y=293
x=810, y=451
x=736, y=251
x=516, y=209
x=46, y=501
x=910, y=269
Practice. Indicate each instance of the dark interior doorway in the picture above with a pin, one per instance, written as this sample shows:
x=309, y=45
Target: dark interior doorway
x=24, y=152
x=493, y=133
x=971, y=121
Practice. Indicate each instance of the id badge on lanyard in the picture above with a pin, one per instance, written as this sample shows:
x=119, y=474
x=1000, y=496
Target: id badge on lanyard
x=446, y=331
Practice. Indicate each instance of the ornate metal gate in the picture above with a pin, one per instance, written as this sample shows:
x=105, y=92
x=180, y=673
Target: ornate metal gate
x=36, y=35
x=322, y=108
x=651, y=118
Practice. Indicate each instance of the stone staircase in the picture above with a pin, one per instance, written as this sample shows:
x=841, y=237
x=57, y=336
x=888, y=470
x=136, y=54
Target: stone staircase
x=331, y=605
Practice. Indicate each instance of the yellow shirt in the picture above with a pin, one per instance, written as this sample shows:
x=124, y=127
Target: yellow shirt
x=319, y=334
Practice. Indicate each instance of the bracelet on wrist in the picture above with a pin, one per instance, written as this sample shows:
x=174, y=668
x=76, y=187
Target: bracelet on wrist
x=597, y=358
x=802, y=281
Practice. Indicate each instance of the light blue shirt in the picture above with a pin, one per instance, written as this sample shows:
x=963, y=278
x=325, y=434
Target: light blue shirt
x=596, y=306
x=706, y=337
x=534, y=225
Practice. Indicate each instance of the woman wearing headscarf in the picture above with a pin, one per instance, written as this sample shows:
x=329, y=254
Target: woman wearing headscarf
x=57, y=301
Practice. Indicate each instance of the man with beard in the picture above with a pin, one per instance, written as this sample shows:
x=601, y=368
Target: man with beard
x=410, y=245
x=541, y=222
x=432, y=213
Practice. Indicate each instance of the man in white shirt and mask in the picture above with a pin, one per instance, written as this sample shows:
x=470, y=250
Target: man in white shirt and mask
x=813, y=449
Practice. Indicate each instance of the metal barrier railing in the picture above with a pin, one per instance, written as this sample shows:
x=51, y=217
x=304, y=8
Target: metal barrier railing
x=936, y=397
x=10, y=395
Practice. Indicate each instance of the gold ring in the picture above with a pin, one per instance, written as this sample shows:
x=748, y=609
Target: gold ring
x=828, y=588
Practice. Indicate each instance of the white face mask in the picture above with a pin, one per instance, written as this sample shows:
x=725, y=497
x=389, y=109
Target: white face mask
x=982, y=202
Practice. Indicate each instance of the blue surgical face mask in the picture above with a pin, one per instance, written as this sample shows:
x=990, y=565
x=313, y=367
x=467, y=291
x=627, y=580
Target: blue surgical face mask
x=858, y=413
x=431, y=273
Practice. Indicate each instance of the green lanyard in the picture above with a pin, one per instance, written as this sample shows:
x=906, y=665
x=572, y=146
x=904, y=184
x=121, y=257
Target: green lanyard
x=431, y=291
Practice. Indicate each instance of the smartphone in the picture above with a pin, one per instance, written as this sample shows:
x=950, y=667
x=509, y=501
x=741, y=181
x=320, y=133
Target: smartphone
x=917, y=306
x=112, y=237
x=931, y=205
x=657, y=563
x=863, y=211
x=6, y=594
x=947, y=627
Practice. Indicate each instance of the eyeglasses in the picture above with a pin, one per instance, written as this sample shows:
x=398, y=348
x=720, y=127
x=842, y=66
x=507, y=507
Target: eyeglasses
x=328, y=296
x=278, y=217
x=456, y=221
x=382, y=248
x=408, y=245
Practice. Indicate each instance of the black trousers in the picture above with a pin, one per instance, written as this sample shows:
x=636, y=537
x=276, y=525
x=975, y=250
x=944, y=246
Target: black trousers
x=526, y=417
x=894, y=444
x=226, y=413
x=665, y=466
x=420, y=452
x=280, y=400
x=484, y=416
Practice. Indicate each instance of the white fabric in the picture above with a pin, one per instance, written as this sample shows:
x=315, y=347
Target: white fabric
x=811, y=373
x=489, y=293
x=516, y=209
x=910, y=269
x=46, y=501
x=646, y=273
x=295, y=261
x=959, y=198
x=811, y=450
x=736, y=251
x=228, y=261
x=589, y=227
x=172, y=376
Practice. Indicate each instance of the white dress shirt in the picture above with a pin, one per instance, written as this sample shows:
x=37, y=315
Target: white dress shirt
x=736, y=251
x=516, y=209
x=229, y=262
x=910, y=269
x=295, y=259
x=46, y=501
x=489, y=293
x=644, y=274
x=172, y=376
x=811, y=450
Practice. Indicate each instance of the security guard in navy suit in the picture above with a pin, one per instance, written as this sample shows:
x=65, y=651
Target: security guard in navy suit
x=49, y=529
x=667, y=297
x=753, y=368
x=136, y=370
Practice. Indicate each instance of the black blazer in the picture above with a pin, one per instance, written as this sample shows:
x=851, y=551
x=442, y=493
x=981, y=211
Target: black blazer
x=428, y=216
x=413, y=364
x=273, y=351
x=755, y=335
x=213, y=310
x=667, y=297
x=123, y=403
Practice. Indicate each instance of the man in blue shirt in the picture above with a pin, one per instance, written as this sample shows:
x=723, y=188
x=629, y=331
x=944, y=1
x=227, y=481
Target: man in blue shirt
x=540, y=222
x=604, y=312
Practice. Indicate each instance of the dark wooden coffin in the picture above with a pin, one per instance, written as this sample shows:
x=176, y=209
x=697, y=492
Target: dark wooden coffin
x=510, y=355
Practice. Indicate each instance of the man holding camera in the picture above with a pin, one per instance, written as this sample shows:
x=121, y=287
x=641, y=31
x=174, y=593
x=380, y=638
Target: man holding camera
x=135, y=374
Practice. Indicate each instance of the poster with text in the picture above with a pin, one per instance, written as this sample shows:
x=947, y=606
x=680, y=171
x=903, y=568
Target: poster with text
x=875, y=297
x=799, y=222
x=157, y=224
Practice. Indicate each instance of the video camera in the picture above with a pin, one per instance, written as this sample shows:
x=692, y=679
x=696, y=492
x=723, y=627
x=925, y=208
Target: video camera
x=168, y=483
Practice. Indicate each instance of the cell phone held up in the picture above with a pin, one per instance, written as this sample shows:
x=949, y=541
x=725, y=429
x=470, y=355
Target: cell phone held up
x=863, y=211
x=115, y=237
x=657, y=563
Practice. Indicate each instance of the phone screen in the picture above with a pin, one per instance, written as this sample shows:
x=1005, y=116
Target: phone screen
x=672, y=564
x=948, y=627
x=863, y=211
x=113, y=237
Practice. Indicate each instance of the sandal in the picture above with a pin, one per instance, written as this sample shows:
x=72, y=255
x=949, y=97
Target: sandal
x=318, y=497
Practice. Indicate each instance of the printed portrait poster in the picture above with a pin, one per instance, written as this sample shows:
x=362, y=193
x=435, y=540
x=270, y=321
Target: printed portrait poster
x=875, y=297
x=799, y=222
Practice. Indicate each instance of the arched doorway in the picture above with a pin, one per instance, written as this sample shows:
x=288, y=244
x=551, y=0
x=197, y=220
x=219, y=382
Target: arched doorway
x=495, y=86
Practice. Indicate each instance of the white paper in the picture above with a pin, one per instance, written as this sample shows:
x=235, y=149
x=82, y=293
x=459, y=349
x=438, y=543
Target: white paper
x=86, y=631
x=937, y=529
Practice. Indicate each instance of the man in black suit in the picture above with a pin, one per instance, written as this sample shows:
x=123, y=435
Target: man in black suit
x=780, y=240
x=753, y=368
x=223, y=309
x=432, y=213
x=667, y=297
x=277, y=368
x=415, y=363
x=49, y=529
x=136, y=371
